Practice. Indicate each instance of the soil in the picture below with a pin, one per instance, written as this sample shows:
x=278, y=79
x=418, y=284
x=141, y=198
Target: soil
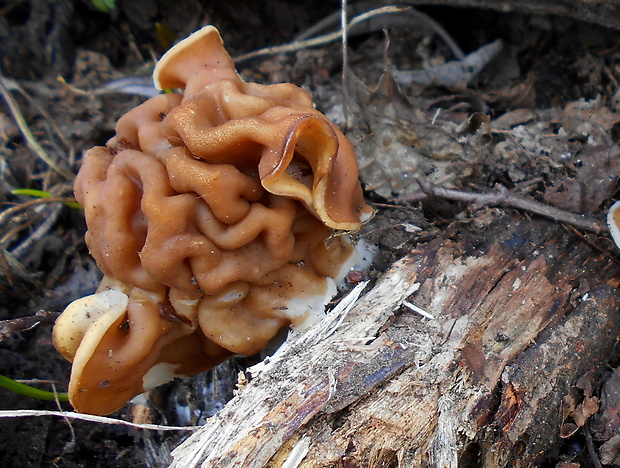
x=540, y=119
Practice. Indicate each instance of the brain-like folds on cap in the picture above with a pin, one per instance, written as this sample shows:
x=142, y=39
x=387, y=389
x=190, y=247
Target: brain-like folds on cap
x=211, y=214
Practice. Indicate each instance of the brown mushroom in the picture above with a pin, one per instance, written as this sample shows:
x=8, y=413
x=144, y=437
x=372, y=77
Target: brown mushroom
x=211, y=215
x=122, y=345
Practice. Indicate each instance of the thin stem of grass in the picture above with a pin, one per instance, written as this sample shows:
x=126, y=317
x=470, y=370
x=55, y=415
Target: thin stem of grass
x=31, y=392
x=30, y=139
x=43, y=194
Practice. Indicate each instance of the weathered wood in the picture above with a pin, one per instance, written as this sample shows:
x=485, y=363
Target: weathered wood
x=523, y=309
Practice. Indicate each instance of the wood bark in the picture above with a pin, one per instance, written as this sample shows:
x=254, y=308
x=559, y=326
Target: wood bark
x=523, y=309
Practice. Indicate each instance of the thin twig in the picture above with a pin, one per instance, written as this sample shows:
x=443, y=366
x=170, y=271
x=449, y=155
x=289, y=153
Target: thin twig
x=5, y=266
x=30, y=139
x=90, y=418
x=11, y=267
x=345, y=60
x=40, y=89
x=316, y=41
x=41, y=231
x=503, y=197
x=410, y=18
x=590, y=444
x=21, y=324
x=39, y=201
x=72, y=441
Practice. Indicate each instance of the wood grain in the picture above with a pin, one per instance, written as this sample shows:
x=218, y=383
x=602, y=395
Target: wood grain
x=522, y=310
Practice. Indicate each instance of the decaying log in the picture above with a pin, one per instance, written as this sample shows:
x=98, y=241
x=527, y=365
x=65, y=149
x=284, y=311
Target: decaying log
x=523, y=309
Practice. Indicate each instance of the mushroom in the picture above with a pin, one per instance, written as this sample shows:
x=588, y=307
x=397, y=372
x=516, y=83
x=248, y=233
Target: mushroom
x=122, y=345
x=212, y=215
x=613, y=221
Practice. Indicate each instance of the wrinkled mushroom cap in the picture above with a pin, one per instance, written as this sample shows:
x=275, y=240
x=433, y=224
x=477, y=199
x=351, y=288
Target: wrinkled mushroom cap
x=201, y=52
x=122, y=345
x=212, y=215
x=78, y=318
x=295, y=136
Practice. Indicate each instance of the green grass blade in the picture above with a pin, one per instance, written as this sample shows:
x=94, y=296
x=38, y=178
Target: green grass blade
x=31, y=392
x=104, y=5
x=42, y=194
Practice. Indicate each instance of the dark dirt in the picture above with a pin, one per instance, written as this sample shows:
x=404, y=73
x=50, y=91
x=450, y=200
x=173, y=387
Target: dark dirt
x=551, y=132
